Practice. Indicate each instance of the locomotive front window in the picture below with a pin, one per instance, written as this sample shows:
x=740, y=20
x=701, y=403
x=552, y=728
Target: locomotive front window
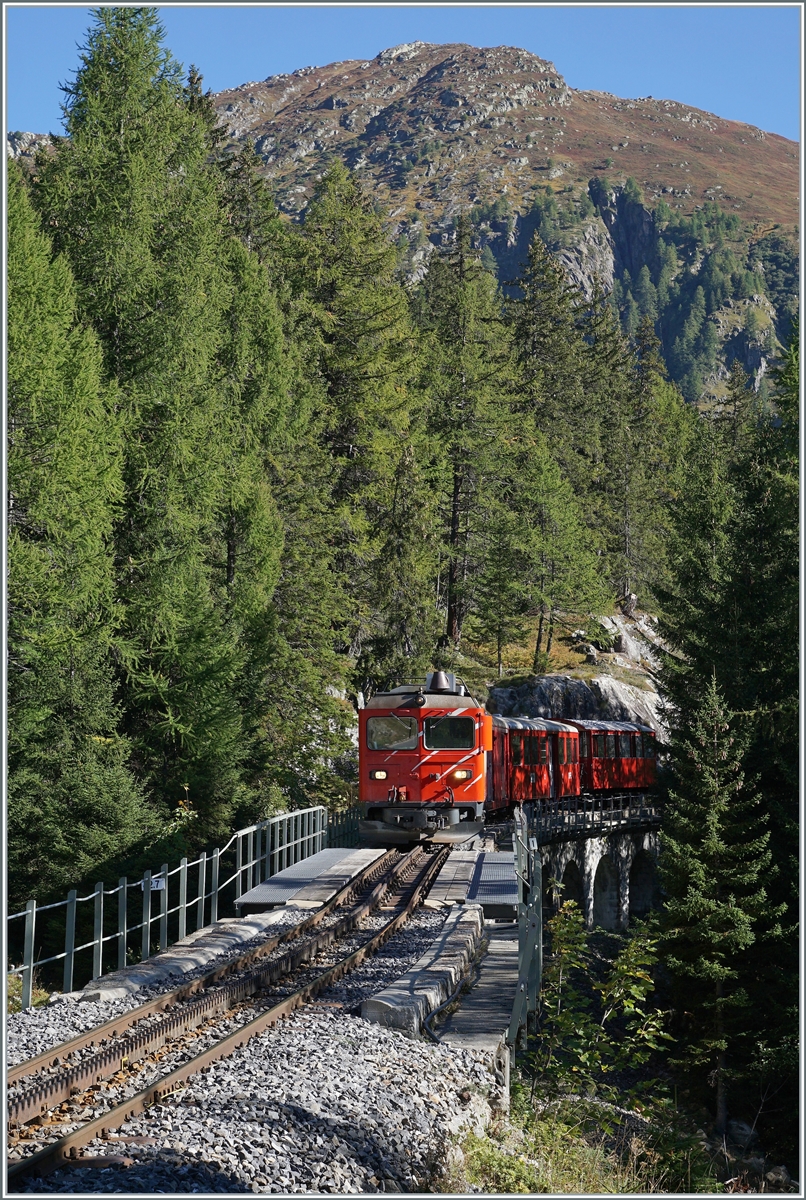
x=450, y=733
x=392, y=733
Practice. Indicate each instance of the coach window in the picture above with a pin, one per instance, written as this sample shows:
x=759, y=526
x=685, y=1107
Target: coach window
x=544, y=750
x=583, y=745
x=599, y=745
x=561, y=749
x=624, y=747
x=649, y=746
x=611, y=745
x=392, y=733
x=574, y=748
x=516, y=747
x=450, y=733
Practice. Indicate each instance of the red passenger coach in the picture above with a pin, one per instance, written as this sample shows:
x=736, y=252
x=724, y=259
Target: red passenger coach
x=532, y=759
x=615, y=756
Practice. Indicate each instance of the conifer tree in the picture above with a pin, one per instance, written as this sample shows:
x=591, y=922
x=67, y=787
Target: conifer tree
x=468, y=369
x=136, y=205
x=345, y=269
x=714, y=859
x=650, y=429
x=72, y=798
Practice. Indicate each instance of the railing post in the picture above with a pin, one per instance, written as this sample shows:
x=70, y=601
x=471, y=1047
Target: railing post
x=28, y=954
x=238, y=866
x=214, y=889
x=202, y=885
x=146, y=942
x=258, y=876
x=183, y=899
x=98, y=933
x=250, y=852
x=164, y=908
x=69, y=940
x=122, y=921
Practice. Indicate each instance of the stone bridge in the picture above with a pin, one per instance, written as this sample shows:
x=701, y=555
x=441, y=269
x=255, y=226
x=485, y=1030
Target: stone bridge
x=603, y=857
x=613, y=879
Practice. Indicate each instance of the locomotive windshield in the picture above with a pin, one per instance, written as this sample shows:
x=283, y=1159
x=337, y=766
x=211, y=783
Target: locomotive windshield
x=450, y=733
x=392, y=733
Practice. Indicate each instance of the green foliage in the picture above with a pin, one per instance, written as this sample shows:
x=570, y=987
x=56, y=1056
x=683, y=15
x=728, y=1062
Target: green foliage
x=580, y=1039
x=714, y=861
x=731, y=616
x=71, y=793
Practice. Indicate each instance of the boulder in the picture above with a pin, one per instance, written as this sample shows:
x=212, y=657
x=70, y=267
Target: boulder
x=602, y=698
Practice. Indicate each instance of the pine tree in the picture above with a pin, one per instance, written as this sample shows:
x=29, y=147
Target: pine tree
x=714, y=858
x=650, y=430
x=72, y=798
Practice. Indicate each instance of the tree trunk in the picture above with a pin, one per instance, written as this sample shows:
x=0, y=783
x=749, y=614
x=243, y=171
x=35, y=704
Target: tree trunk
x=721, y=1123
x=539, y=642
x=551, y=632
x=454, y=625
x=500, y=664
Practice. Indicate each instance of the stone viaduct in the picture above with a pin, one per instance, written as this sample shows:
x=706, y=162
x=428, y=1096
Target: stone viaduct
x=612, y=878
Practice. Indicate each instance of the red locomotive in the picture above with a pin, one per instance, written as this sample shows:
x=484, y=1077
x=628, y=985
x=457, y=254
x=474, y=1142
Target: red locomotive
x=432, y=761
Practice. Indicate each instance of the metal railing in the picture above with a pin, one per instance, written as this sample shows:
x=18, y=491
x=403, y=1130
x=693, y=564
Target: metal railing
x=529, y=874
x=579, y=816
x=202, y=891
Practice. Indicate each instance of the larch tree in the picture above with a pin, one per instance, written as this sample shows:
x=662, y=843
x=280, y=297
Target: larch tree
x=135, y=204
x=72, y=797
x=467, y=371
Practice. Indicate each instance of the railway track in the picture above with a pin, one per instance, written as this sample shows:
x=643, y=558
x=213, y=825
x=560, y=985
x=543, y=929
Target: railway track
x=104, y=1060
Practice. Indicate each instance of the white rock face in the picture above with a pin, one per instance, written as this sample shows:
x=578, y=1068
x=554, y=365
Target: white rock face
x=601, y=698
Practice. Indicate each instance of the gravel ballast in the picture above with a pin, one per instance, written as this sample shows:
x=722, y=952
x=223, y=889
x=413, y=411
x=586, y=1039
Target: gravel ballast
x=322, y=1103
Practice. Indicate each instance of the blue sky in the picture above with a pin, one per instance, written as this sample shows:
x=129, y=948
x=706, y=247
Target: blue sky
x=738, y=61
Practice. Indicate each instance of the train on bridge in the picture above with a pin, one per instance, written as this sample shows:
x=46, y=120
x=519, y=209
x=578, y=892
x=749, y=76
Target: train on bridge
x=434, y=764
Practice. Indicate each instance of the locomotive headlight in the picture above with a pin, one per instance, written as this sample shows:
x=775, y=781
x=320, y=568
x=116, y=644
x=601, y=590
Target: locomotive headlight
x=457, y=775
x=377, y=774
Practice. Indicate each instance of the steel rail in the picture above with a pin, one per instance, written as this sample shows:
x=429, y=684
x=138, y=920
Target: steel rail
x=50, y=1157
x=49, y=1092
x=118, y=1026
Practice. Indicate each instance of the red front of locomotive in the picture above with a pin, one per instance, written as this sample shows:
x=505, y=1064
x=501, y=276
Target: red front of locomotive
x=422, y=764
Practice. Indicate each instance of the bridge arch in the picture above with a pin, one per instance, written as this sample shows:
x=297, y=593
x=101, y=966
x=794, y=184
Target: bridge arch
x=606, y=894
x=573, y=885
x=644, y=890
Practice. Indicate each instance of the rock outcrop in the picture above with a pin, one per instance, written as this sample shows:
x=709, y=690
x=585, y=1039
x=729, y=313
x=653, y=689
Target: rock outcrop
x=601, y=698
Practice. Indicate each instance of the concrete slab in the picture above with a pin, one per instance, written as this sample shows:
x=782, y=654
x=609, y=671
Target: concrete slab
x=453, y=880
x=433, y=978
x=482, y=1020
x=194, y=951
x=301, y=881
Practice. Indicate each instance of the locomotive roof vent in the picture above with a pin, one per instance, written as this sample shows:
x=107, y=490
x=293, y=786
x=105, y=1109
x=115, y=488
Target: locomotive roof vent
x=443, y=681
